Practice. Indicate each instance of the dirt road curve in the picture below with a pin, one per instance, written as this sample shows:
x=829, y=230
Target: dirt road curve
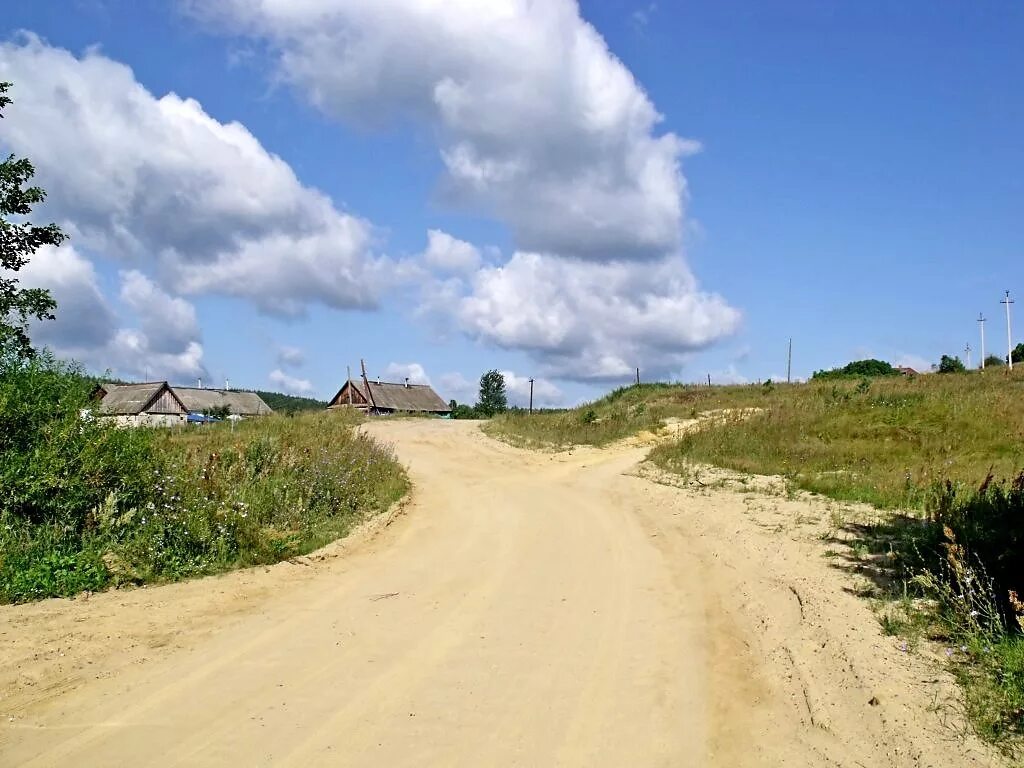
x=527, y=609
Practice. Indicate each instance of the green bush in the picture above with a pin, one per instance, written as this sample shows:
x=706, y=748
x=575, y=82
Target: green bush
x=84, y=504
x=55, y=465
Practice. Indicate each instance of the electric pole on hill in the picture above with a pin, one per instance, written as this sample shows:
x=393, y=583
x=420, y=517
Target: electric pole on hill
x=531, y=397
x=1009, y=335
x=981, y=324
x=789, y=362
x=967, y=351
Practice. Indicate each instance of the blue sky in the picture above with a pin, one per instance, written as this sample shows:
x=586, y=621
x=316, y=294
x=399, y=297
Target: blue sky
x=848, y=174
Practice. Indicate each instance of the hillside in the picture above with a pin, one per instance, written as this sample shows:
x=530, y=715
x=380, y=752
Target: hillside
x=283, y=403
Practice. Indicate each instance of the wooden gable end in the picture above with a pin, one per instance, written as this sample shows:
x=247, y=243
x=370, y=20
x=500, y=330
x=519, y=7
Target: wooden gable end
x=342, y=398
x=166, y=402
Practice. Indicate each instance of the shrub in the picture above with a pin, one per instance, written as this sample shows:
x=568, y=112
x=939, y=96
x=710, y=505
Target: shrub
x=85, y=504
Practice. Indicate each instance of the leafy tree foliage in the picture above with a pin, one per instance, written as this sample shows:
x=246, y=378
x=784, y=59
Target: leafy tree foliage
x=857, y=369
x=19, y=240
x=994, y=361
x=463, y=411
x=282, y=403
x=492, y=394
x=1018, y=353
x=951, y=365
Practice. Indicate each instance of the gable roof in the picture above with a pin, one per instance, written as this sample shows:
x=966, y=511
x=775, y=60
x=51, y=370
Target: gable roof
x=240, y=403
x=400, y=397
x=133, y=399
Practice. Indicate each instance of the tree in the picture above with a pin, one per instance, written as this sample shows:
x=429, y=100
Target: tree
x=858, y=369
x=19, y=240
x=1018, y=353
x=492, y=394
x=951, y=365
x=994, y=361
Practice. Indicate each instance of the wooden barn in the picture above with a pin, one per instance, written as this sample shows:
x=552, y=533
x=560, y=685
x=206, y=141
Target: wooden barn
x=380, y=398
x=152, y=404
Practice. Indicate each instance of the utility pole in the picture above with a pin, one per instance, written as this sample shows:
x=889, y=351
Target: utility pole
x=531, y=397
x=638, y=377
x=348, y=368
x=1009, y=335
x=789, y=362
x=981, y=324
x=967, y=351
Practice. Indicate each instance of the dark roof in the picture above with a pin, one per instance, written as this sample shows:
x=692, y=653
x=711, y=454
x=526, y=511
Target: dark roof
x=133, y=399
x=240, y=403
x=402, y=397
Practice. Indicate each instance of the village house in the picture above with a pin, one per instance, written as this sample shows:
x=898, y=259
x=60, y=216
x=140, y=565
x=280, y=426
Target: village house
x=152, y=404
x=380, y=398
x=158, y=404
x=237, y=403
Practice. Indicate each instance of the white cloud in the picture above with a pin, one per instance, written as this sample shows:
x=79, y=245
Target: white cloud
x=164, y=345
x=456, y=386
x=290, y=384
x=399, y=372
x=539, y=126
x=517, y=389
x=445, y=253
x=538, y=123
x=159, y=181
x=589, y=321
x=168, y=322
x=84, y=319
x=290, y=357
x=641, y=17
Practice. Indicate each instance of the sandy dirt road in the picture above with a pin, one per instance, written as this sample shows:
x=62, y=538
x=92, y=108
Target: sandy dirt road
x=526, y=609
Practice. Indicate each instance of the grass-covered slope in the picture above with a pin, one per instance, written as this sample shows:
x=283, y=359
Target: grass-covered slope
x=86, y=505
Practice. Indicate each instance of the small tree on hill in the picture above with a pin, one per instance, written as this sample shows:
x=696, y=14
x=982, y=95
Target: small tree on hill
x=18, y=242
x=951, y=365
x=1018, y=353
x=492, y=394
x=994, y=361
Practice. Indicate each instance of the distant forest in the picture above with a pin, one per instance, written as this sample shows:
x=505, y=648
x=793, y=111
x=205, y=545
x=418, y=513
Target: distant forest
x=290, y=403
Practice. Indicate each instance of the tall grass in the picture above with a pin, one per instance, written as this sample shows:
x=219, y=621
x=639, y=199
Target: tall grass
x=85, y=505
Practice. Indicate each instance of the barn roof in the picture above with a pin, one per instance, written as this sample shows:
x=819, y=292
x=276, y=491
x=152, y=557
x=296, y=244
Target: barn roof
x=133, y=399
x=401, y=397
x=240, y=403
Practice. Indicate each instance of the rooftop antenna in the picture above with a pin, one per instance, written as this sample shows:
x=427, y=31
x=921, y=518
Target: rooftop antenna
x=1009, y=335
x=967, y=351
x=981, y=324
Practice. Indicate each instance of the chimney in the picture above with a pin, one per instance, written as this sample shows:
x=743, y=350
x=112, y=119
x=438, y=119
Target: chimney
x=406, y=382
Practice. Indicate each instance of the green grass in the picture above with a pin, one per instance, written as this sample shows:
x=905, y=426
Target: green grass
x=622, y=413
x=212, y=499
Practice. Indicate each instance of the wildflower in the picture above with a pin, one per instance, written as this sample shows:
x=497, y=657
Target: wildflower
x=949, y=653
x=904, y=647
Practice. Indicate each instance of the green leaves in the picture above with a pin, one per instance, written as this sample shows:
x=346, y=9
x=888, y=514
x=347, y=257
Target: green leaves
x=19, y=240
x=492, y=394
